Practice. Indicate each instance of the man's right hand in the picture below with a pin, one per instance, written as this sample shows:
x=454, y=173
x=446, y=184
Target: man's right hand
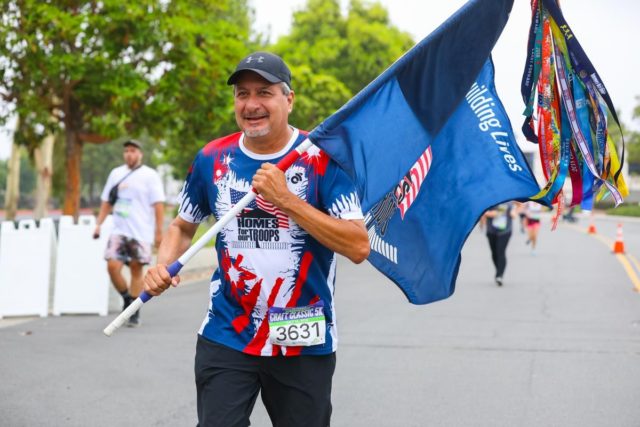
x=157, y=280
x=96, y=232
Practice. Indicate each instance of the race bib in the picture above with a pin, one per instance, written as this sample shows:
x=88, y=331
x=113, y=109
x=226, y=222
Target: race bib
x=297, y=326
x=500, y=222
x=122, y=207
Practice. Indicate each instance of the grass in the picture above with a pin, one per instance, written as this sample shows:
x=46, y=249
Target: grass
x=625, y=210
x=206, y=225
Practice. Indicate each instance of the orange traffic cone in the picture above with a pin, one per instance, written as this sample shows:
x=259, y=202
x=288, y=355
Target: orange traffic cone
x=592, y=225
x=618, y=246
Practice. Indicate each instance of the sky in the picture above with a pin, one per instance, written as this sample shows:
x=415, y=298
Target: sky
x=608, y=30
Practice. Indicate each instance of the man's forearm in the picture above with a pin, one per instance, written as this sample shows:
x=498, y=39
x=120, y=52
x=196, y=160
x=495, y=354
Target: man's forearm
x=346, y=237
x=159, y=214
x=104, y=211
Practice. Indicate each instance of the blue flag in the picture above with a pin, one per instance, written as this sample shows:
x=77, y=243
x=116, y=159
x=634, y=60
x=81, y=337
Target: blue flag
x=430, y=148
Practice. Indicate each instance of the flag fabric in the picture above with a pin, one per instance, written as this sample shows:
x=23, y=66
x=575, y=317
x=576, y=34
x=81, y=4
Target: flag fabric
x=430, y=148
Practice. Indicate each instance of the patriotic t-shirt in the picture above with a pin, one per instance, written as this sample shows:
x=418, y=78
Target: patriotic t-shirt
x=265, y=259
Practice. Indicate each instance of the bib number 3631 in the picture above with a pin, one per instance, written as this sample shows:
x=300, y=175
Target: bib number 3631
x=297, y=326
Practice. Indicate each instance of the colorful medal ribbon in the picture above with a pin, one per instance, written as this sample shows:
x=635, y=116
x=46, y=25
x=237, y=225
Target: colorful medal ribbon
x=566, y=115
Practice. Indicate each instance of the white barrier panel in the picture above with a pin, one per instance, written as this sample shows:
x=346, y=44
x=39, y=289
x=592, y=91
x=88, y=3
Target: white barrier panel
x=82, y=281
x=25, y=266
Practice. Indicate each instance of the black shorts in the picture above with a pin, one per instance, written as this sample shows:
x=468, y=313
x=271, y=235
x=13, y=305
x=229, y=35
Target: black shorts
x=296, y=390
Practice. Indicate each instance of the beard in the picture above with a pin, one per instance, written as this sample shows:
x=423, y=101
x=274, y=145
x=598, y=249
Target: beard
x=256, y=133
x=132, y=162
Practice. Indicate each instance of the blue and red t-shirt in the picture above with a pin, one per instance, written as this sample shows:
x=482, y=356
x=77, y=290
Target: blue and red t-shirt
x=265, y=259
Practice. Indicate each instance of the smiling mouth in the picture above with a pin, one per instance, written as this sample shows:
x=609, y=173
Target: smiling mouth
x=254, y=119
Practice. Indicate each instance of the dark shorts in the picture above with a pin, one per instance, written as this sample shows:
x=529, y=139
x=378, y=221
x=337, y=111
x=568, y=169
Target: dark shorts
x=127, y=249
x=296, y=390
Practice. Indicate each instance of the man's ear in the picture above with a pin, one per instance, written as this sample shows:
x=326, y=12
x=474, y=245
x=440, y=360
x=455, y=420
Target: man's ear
x=291, y=99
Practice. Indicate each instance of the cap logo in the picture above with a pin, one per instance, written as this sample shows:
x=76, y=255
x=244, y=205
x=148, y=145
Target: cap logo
x=260, y=59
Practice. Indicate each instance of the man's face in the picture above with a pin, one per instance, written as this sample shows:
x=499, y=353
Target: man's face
x=262, y=109
x=132, y=156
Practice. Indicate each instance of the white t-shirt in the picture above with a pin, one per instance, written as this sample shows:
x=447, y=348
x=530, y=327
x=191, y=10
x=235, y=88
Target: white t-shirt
x=134, y=214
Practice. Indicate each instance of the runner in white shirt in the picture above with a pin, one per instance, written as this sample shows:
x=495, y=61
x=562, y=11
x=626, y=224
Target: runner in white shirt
x=138, y=213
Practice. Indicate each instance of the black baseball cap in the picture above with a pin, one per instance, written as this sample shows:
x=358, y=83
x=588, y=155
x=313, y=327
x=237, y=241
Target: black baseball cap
x=133, y=142
x=271, y=67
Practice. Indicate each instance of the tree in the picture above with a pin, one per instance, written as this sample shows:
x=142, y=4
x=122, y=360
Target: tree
x=17, y=182
x=196, y=105
x=43, y=161
x=4, y=169
x=354, y=49
x=93, y=71
x=320, y=95
x=12, y=192
x=333, y=58
x=633, y=144
x=631, y=140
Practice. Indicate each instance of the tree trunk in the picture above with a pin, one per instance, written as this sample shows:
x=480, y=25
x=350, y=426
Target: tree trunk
x=44, y=171
x=92, y=186
x=13, y=183
x=73, y=161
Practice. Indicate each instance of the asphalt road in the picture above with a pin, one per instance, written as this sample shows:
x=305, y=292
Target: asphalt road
x=558, y=345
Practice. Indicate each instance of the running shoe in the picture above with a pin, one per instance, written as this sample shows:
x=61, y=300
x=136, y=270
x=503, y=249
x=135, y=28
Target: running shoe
x=134, y=321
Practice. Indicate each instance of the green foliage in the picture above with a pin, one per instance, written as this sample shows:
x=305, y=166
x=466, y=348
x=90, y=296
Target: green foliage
x=203, y=228
x=632, y=139
x=4, y=171
x=27, y=176
x=354, y=49
x=58, y=178
x=27, y=180
x=79, y=66
x=319, y=96
x=333, y=58
x=633, y=150
x=192, y=102
x=94, y=71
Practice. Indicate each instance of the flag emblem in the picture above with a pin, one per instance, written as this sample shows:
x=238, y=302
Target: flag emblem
x=407, y=190
x=270, y=208
x=263, y=205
